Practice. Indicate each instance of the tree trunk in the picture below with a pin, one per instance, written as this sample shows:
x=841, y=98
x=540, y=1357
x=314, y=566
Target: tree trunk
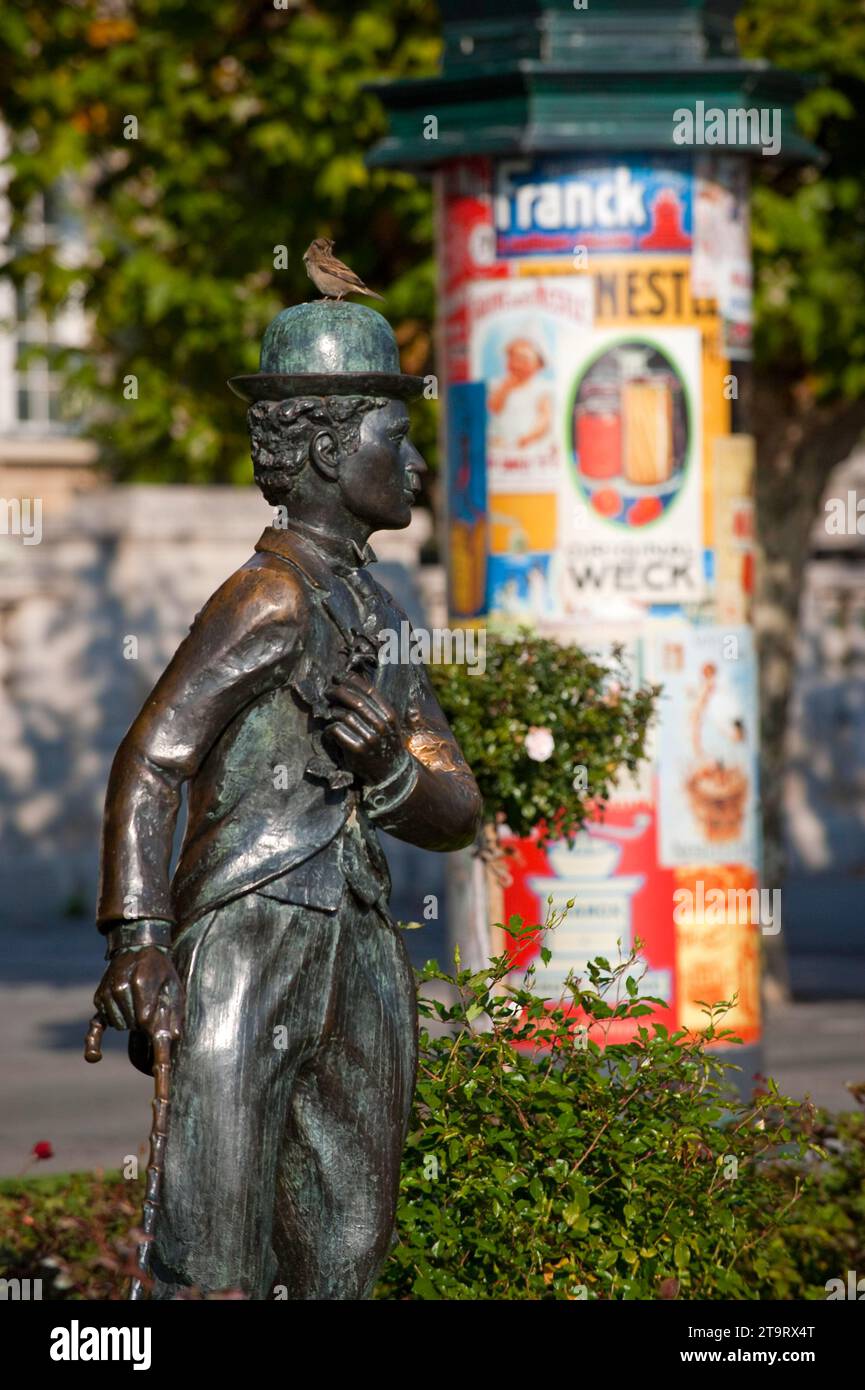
x=799, y=443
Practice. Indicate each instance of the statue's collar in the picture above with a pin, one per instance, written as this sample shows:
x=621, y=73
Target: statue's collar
x=317, y=554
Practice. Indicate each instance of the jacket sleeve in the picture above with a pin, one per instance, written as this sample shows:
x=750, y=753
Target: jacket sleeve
x=240, y=645
x=432, y=799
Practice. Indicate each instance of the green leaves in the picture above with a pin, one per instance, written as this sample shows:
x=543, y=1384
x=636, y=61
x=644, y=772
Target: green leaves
x=645, y=1216
x=808, y=225
x=559, y=1169
x=252, y=124
x=597, y=717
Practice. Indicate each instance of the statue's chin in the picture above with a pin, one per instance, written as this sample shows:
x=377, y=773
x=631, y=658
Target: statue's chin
x=393, y=522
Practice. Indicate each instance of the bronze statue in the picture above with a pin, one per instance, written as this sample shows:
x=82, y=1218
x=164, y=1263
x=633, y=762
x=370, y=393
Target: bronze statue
x=269, y=963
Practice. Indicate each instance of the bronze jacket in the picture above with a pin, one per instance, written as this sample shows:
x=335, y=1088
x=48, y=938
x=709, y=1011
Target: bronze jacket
x=239, y=715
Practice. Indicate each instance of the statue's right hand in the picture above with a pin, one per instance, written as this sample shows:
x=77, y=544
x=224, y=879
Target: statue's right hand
x=141, y=989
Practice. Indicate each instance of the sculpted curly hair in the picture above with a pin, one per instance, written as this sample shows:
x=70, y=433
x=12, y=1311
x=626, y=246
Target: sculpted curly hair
x=280, y=433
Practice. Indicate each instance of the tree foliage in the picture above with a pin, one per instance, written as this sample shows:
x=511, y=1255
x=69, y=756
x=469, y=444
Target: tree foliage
x=809, y=222
x=809, y=386
x=252, y=122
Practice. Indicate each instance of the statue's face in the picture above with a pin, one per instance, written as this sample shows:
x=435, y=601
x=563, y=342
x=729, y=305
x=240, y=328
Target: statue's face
x=381, y=479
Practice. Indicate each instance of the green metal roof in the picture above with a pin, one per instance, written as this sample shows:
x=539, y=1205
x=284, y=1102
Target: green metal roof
x=546, y=77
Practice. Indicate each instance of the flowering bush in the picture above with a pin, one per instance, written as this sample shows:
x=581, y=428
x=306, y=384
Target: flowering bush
x=546, y=729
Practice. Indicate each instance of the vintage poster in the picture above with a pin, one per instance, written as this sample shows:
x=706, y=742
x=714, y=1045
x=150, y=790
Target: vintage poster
x=718, y=960
x=722, y=247
x=707, y=744
x=733, y=471
x=467, y=500
x=523, y=334
x=623, y=896
x=620, y=896
x=632, y=520
x=605, y=426
x=554, y=207
x=466, y=235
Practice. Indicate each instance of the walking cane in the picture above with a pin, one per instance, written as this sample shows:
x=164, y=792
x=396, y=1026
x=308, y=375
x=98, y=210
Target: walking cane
x=161, y=1039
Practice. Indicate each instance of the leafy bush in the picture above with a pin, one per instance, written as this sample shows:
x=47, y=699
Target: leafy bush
x=596, y=717
x=542, y=1166
x=826, y=1232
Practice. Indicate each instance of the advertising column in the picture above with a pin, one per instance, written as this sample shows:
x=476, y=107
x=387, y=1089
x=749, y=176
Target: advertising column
x=594, y=311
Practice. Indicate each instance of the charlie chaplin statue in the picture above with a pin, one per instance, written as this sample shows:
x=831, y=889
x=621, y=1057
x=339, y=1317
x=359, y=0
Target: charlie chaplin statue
x=285, y=984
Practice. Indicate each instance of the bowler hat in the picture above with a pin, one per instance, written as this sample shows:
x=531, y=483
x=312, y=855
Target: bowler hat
x=327, y=348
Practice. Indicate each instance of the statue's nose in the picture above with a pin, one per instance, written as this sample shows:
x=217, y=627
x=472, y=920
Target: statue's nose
x=414, y=460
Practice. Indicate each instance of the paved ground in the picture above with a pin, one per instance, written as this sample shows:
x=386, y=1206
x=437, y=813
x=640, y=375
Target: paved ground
x=96, y=1115
x=815, y=1048
x=92, y=1115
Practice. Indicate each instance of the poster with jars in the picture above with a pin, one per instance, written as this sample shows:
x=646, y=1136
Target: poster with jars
x=593, y=446
x=632, y=519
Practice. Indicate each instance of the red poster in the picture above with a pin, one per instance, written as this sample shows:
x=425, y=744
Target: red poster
x=620, y=895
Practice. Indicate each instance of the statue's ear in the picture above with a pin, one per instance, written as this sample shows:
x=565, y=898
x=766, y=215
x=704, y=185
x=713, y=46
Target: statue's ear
x=324, y=453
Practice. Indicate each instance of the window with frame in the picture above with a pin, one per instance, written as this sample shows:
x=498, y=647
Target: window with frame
x=41, y=344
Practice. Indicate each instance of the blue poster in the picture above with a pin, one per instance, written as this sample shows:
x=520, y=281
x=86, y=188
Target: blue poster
x=467, y=498
x=549, y=207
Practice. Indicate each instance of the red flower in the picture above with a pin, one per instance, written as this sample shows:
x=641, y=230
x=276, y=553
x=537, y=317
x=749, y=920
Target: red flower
x=43, y=1149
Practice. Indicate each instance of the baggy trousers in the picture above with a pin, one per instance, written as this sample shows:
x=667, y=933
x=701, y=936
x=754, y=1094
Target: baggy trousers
x=290, y=1095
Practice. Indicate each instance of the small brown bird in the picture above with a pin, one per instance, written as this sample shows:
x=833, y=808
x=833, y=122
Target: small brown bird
x=329, y=275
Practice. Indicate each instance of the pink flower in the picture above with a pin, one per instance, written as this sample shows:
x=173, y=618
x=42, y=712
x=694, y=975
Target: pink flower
x=539, y=744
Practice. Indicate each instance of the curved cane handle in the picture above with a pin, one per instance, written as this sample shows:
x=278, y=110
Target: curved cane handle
x=93, y=1041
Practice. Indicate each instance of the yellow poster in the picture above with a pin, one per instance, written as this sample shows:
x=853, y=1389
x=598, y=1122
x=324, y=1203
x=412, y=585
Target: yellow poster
x=717, y=924
x=523, y=521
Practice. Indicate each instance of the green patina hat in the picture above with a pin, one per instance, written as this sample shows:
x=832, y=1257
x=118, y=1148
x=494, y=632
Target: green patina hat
x=327, y=348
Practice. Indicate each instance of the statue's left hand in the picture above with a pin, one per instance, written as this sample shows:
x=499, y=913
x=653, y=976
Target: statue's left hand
x=365, y=727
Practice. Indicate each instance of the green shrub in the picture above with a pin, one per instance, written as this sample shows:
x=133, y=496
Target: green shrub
x=826, y=1231
x=540, y=1165
x=597, y=717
